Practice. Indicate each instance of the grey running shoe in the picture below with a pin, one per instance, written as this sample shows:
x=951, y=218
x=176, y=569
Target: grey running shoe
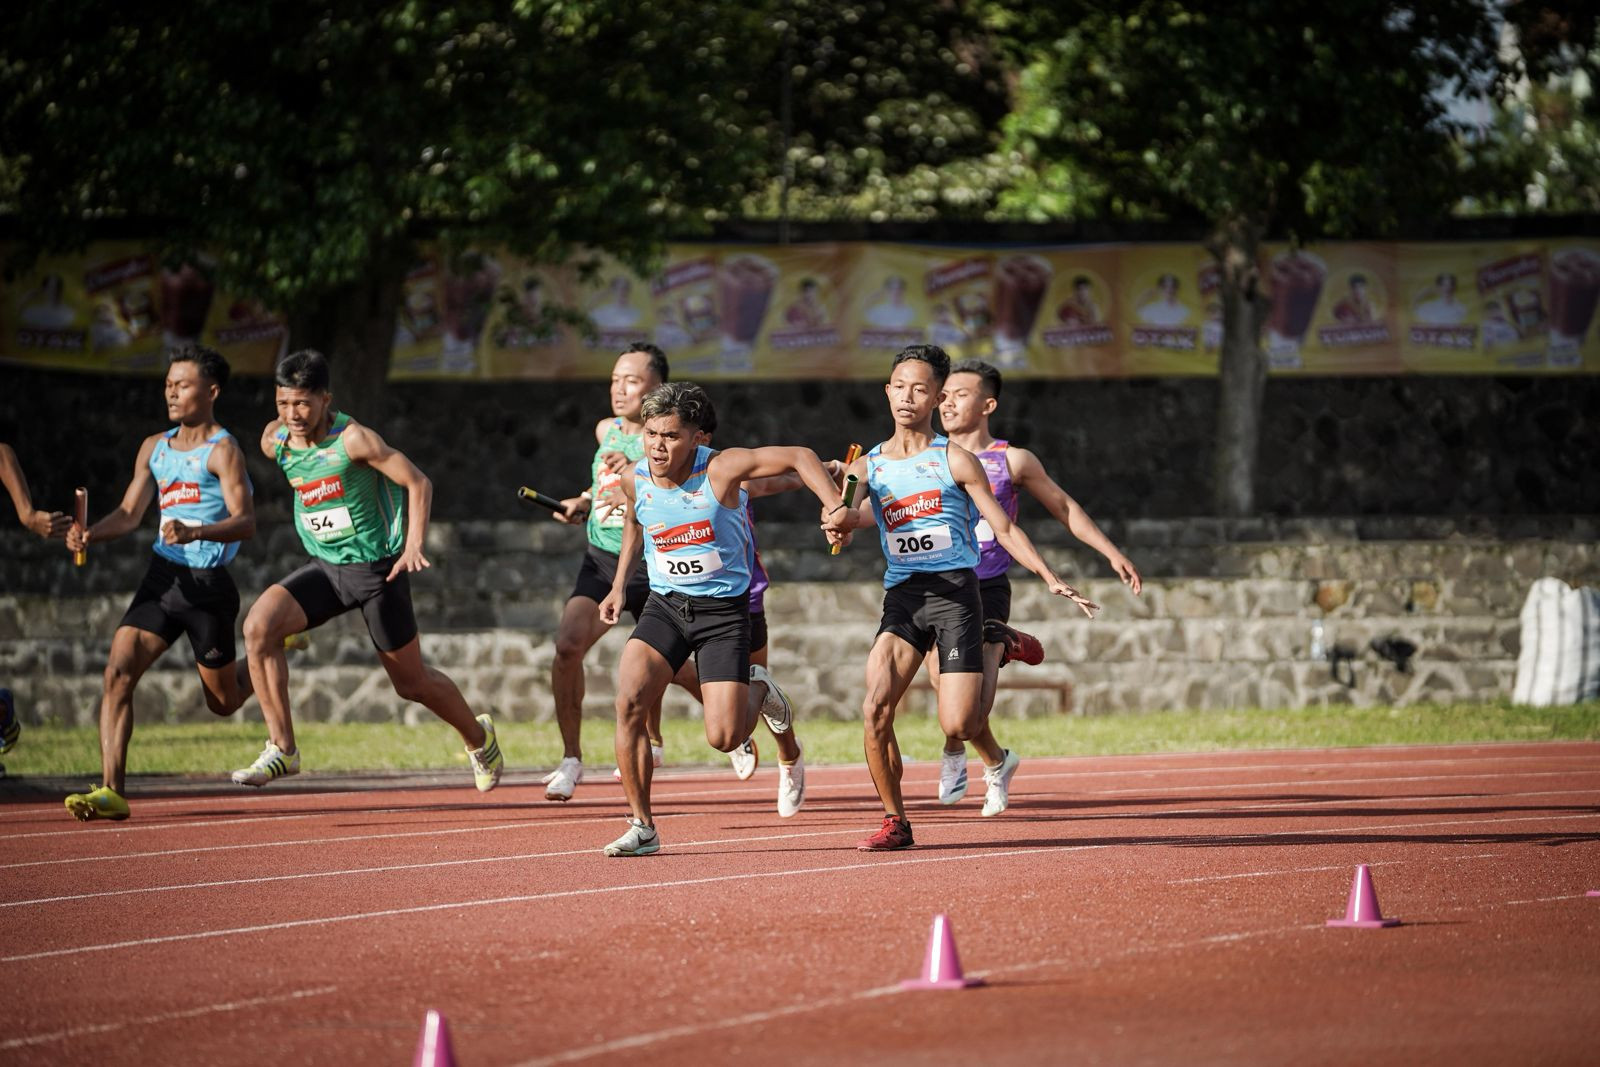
x=998, y=779
x=775, y=708
x=640, y=840
x=953, y=776
x=791, y=785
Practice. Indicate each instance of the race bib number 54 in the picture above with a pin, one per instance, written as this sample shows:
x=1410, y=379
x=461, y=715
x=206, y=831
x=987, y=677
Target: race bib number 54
x=911, y=544
x=332, y=524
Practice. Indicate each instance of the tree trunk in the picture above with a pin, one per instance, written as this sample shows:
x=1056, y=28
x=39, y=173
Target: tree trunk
x=1242, y=372
x=354, y=327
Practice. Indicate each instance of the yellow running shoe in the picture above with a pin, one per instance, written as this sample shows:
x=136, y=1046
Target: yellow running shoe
x=486, y=761
x=102, y=803
x=297, y=642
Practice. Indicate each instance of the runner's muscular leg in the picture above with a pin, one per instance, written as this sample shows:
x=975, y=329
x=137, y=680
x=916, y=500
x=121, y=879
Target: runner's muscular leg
x=642, y=677
x=579, y=629
x=275, y=615
x=891, y=667
x=419, y=683
x=132, y=652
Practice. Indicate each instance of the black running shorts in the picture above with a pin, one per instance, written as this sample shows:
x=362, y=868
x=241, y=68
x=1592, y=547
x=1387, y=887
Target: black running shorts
x=758, y=631
x=327, y=590
x=714, y=629
x=202, y=602
x=942, y=610
x=599, y=570
x=995, y=594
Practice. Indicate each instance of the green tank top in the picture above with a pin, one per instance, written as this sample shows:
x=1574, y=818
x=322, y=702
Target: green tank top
x=605, y=523
x=346, y=512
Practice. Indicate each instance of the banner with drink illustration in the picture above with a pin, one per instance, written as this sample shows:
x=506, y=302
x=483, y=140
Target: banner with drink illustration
x=117, y=308
x=838, y=310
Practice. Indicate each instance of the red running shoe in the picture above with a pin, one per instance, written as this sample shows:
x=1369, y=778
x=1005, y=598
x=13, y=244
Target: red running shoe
x=1016, y=644
x=895, y=833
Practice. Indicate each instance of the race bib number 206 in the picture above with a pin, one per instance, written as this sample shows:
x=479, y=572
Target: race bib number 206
x=911, y=544
x=332, y=524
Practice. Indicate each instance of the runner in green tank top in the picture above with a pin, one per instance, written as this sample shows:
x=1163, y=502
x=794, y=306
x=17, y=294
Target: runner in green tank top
x=362, y=511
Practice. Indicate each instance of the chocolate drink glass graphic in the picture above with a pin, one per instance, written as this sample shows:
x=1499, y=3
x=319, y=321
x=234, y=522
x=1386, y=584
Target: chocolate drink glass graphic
x=744, y=289
x=1296, y=287
x=1019, y=287
x=186, y=294
x=1574, y=289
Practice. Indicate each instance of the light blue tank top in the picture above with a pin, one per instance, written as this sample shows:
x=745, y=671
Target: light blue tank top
x=693, y=544
x=190, y=493
x=925, y=520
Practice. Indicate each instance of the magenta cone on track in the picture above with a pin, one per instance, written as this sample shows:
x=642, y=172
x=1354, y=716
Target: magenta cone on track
x=1362, y=910
x=433, y=1047
x=1594, y=893
x=942, y=968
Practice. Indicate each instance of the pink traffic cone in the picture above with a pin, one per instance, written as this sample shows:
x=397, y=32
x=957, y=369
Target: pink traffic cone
x=1593, y=893
x=433, y=1047
x=942, y=969
x=1362, y=911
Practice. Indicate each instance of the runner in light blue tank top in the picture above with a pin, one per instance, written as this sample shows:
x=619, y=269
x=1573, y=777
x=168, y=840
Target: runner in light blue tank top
x=696, y=545
x=925, y=520
x=189, y=493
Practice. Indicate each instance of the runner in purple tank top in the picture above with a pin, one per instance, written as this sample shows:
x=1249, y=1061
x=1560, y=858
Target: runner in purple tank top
x=971, y=395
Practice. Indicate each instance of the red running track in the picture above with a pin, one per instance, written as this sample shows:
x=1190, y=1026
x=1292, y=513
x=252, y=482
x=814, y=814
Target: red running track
x=1140, y=909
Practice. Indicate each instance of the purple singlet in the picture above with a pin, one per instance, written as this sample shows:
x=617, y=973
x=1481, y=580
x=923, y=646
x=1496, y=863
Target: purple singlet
x=758, y=572
x=992, y=559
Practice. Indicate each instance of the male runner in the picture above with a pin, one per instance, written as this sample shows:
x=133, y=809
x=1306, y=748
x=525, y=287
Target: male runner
x=689, y=504
x=971, y=394
x=196, y=472
x=923, y=492
x=361, y=508
x=619, y=444
x=47, y=524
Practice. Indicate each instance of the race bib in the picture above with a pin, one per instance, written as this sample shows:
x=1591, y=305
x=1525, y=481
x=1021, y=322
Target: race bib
x=983, y=532
x=332, y=524
x=688, y=567
x=913, y=544
x=613, y=515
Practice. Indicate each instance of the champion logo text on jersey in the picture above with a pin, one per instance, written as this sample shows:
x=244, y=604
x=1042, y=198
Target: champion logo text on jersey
x=688, y=535
x=321, y=491
x=897, y=513
x=176, y=494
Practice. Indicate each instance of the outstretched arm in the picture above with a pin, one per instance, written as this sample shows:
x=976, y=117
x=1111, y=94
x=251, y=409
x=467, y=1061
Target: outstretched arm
x=363, y=445
x=627, y=559
x=1028, y=472
x=126, y=516
x=969, y=474
x=47, y=524
x=735, y=466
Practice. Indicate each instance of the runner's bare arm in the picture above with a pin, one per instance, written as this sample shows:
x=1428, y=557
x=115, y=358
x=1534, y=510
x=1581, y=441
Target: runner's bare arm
x=51, y=525
x=627, y=558
x=785, y=483
x=969, y=474
x=729, y=469
x=1029, y=473
x=227, y=463
x=269, y=443
x=125, y=517
x=364, y=445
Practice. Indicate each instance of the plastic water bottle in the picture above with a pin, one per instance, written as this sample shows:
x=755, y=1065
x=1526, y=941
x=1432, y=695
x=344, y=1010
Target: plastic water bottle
x=1318, y=651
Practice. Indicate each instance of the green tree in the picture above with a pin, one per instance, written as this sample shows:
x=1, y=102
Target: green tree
x=1249, y=118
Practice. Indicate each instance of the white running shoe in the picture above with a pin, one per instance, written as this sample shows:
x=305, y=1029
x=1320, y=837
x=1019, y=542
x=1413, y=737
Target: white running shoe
x=656, y=752
x=487, y=763
x=745, y=759
x=272, y=763
x=953, y=776
x=791, y=785
x=564, y=779
x=998, y=779
x=640, y=840
x=775, y=706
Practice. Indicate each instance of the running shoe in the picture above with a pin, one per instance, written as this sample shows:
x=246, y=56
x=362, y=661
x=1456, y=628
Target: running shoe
x=656, y=752
x=998, y=779
x=272, y=763
x=486, y=761
x=297, y=642
x=564, y=779
x=640, y=840
x=1016, y=645
x=791, y=785
x=775, y=706
x=894, y=833
x=745, y=759
x=10, y=725
x=102, y=803
x=953, y=776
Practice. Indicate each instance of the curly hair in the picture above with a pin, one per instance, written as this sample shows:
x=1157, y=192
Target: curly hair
x=684, y=399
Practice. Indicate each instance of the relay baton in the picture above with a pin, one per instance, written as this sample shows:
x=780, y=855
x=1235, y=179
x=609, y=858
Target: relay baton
x=533, y=496
x=80, y=517
x=851, y=454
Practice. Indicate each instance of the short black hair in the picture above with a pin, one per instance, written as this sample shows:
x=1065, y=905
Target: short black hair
x=932, y=355
x=988, y=372
x=686, y=400
x=658, y=358
x=213, y=368
x=305, y=369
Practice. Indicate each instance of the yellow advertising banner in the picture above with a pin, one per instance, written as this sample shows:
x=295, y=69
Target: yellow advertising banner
x=835, y=310
x=117, y=309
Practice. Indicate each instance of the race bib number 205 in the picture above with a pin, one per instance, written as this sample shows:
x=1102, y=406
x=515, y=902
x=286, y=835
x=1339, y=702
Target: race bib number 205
x=333, y=524
x=688, y=567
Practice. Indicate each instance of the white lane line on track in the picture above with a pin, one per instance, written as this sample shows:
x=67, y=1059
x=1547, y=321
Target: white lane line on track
x=163, y=1017
x=596, y=891
x=1328, y=867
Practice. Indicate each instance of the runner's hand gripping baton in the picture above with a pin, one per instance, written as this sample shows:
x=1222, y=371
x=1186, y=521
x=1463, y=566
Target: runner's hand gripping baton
x=533, y=496
x=850, y=481
x=80, y=517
